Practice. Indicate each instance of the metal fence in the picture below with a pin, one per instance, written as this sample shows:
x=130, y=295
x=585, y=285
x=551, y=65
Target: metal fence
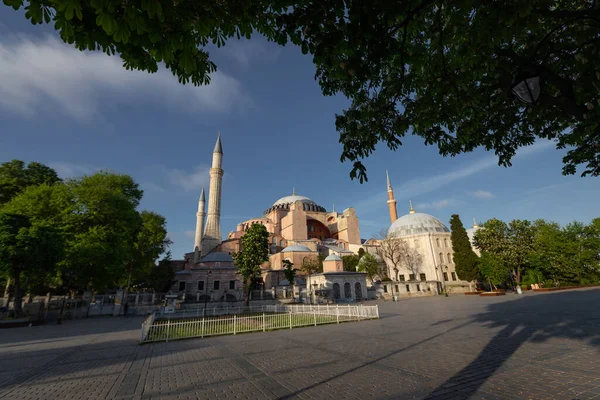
x=158, y=329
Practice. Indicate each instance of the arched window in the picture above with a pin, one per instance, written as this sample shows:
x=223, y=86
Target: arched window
x=441, y=258
x=445, y=242
x=274, y=240
x=347, y=290
x=358, y=291
x=437, y=242
x=449, y=258
x=336, y=290
x=282, y=244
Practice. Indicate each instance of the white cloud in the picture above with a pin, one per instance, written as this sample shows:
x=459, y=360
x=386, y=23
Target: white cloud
x=423, y=185
x=40, y=74
x=483, y=194
x=436, y=205
x=67, y=170
x=246, y=52
x=190, y=234
x=152, y=187
x=189, y=181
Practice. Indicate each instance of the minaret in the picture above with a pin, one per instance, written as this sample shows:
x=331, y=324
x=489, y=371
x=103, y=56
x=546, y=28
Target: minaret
x=212, y=232
x=200, y=221
x=391, y=201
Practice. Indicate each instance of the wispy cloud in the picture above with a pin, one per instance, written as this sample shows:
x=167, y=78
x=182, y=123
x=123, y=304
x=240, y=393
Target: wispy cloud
x=482, y=194
x=435, y=205
x=68, y=170
x=246, y=52
x=423, y=185
x=152, y=187
x=42, y=74
x=189, y=181
x=190, y=234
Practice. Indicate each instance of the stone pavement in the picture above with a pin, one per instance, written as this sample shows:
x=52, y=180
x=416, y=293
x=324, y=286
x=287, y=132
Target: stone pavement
x=534, y=346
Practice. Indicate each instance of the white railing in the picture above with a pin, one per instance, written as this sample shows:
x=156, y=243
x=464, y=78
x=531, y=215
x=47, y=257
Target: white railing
x=157, y=329
x=146, y=325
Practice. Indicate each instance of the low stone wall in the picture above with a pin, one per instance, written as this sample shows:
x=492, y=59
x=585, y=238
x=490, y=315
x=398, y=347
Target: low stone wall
x=553, y=289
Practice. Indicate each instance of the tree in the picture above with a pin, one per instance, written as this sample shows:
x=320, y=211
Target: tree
x=391, y=249
x=369, y=265
x=312, y=265
x=162, y=275
x=15, y=177
x=254, y=252
x=350, y=262
x=411, y=258
x=493, y=269
x=465, y=258
x=101, y=232
x=151, y=241
x=26, y=250
x=361, y=252
x=444, y=72
x=553, y=254
x=289, y=272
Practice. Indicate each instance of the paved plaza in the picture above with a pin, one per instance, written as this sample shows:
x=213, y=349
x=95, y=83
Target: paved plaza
x=534, y=346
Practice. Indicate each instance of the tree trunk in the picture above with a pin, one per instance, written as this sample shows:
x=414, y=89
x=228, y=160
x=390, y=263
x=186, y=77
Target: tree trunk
x=17, y=294
x=247, y=293
x=7, y=288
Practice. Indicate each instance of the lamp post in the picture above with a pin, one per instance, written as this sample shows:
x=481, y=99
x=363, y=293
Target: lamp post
x=206, y=293
x=527, y=89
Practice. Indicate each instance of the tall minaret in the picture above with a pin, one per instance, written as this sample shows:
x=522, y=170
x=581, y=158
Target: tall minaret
x=212, y=232
x=391, y=201
x=200, y=221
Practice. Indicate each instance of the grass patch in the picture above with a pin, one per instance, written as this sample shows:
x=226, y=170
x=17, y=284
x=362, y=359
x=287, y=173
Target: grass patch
x=163, y=330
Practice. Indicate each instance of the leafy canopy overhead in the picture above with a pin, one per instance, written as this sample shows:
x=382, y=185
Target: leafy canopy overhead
x=437, y=69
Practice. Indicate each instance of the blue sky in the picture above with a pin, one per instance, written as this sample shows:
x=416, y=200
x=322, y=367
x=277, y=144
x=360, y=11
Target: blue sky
x=81, y=112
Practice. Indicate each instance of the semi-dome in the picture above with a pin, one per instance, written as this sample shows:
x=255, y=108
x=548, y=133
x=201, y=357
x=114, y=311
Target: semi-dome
x=285, y=202
x=296, y=247
x=333, y=257
x=415, y=223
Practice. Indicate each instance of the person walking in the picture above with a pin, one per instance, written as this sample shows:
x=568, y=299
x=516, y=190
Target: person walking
x=126, y=307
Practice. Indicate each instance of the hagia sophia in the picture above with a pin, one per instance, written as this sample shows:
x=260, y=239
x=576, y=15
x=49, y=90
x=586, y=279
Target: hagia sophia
x=301, y=230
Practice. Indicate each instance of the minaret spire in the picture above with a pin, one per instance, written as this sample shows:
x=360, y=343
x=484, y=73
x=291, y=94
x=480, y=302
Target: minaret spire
x=391, y=200
x=200, y=221
x=212, y=231
x=293, y=191
x=412, y=210
x=475, y=224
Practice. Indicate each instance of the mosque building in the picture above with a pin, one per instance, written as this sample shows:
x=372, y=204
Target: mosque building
x=299, y=231
x=430, y=238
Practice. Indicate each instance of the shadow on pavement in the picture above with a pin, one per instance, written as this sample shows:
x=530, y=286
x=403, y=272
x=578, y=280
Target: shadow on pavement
x=535, y=318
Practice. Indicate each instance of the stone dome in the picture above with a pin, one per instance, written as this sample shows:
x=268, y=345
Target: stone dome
x=297, y=248
x=333, y=257
x=415, y=223
x=285, y=202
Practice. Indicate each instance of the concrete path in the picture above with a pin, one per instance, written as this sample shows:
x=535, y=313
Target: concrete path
x=534, y=346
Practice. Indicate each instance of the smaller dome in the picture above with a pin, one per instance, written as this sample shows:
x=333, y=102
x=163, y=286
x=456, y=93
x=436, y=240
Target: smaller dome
x=297, y=248
x=416, y=223
x=217, y=256
x=333, y=257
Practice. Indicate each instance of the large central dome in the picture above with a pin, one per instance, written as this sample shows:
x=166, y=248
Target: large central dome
x=415, y=223
x=284, y=203
x=292, y=199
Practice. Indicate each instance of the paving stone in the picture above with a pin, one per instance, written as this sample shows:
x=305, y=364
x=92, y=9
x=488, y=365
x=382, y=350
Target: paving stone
x=534, y=346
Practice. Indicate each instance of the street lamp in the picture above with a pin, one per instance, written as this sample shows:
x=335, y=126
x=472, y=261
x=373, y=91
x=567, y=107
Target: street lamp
x=527, y=89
